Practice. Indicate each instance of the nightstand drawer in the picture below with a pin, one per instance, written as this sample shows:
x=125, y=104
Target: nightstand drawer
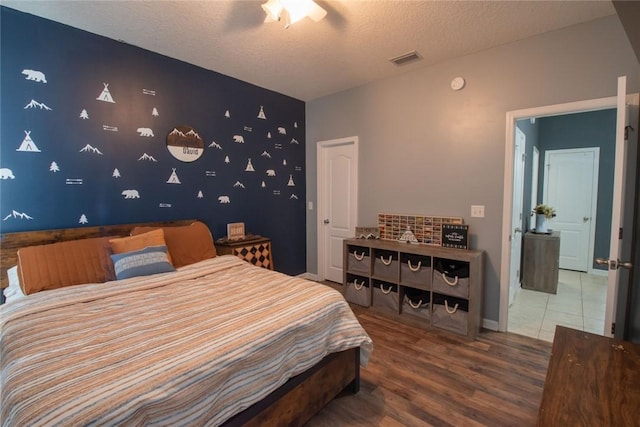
x=254, y=251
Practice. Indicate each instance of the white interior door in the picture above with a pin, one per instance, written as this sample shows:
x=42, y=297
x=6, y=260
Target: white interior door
x=617, y=209
x=337, y=203
x=570, y=186
x=516, y=219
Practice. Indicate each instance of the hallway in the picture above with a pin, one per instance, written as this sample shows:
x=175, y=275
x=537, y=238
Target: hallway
x=579, y=304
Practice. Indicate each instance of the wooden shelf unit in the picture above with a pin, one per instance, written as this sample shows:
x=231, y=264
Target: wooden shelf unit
x=409, y=280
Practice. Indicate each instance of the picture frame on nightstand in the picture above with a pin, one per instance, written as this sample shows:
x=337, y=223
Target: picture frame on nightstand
x=235, y=231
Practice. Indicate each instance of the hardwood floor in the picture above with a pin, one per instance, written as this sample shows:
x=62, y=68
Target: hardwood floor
x=418, y=377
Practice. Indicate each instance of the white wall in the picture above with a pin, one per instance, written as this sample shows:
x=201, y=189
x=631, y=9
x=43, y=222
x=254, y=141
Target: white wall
x=426, y=149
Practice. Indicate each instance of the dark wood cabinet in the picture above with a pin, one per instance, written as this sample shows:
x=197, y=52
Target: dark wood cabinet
x=540, y=262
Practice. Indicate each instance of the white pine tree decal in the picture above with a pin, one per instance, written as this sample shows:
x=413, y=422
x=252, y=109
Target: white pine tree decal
x=83, y=219
x=54, y=167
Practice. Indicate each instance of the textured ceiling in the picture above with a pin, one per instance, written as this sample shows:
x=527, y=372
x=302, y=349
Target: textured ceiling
x=350, y=47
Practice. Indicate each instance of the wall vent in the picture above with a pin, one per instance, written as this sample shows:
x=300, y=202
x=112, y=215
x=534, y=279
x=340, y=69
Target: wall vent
x=406, y=58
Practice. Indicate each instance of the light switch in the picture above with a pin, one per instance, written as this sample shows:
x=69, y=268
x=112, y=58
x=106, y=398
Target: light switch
x=310, y=206
x=477, y=211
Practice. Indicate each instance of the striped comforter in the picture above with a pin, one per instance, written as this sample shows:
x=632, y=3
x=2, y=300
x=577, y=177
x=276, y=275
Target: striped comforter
x=193, y=347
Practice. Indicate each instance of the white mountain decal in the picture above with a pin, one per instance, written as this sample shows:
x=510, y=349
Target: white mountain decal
x=89, y=149
x=215, y=145
x=36, y=104
x=177, y=132
x=193, y=133
x=147, y=157
x=17, y=215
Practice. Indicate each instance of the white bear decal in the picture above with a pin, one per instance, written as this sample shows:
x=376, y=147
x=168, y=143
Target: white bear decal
x=271, y=172
x=36, y=76
x=145, y=132
x=224, y=199
x=6, y=173
x=131, y=194
x=238, y=138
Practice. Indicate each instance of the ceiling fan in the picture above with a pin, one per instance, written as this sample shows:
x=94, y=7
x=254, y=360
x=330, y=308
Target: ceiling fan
x=292, y=11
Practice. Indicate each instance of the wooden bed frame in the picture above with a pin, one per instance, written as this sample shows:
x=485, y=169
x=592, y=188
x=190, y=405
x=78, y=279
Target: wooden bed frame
x=293, y=404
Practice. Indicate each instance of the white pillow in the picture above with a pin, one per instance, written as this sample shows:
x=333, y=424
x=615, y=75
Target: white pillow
x=13, y=291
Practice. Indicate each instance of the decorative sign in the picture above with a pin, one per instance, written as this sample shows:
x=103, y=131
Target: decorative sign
x=235, y=231
x=455, y=236
x=184, y=143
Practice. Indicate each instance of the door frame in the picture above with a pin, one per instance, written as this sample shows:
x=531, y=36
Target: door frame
x=594, y=199
x=507, y=196
x=321, y=150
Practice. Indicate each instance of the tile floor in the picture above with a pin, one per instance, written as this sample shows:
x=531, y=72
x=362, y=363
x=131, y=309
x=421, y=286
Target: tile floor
x=579, y=304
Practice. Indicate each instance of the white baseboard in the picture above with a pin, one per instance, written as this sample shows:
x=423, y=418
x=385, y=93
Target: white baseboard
x=308, y=276
x=492, y=325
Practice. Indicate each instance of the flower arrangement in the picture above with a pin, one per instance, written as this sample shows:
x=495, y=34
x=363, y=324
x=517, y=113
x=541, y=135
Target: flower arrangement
x=545, y=210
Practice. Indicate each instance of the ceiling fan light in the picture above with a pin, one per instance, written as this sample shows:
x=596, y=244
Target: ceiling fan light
x=273, y=9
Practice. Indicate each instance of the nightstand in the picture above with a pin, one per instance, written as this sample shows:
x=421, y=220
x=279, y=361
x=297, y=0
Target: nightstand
x=256, y=250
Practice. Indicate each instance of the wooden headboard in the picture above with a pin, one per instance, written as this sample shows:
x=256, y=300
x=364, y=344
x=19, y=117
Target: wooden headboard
x=11, y=242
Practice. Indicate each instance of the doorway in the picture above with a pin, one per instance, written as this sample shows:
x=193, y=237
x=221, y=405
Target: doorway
x=534, y=115
x=337, y=203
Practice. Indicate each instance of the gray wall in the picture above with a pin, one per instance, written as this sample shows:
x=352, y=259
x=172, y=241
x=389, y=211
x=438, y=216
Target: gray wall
x=412, y=126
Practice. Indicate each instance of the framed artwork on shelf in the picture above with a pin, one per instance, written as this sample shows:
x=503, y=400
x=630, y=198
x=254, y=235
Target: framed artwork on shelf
x=235, y=231
x=455, y=236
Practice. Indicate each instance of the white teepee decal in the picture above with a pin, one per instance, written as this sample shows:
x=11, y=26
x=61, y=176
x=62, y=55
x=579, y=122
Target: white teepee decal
x=291, y=183
x=173, y=178
x=106, y=95
x=263, y=184
x=227, y=114
x=28, y=144
x=261, y=114
x=249, y=167
x=226, y=159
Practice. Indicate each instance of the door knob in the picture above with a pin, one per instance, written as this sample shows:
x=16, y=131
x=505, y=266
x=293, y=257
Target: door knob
x=585, y=218
x=614, y=264
x=326, y=221
x=517, y=230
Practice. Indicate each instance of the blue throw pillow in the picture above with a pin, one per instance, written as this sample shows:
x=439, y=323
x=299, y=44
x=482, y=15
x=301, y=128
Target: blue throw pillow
x=147, y=261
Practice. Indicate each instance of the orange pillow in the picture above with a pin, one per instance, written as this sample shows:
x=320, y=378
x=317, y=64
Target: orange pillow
x=62, y=264
x=187, y=244
x=135, y=243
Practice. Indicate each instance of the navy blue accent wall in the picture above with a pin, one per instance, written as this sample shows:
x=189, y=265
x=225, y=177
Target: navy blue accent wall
x=590, y=129
x=69, y=159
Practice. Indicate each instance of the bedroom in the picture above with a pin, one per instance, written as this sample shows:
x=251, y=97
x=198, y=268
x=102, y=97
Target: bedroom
x=416, y=109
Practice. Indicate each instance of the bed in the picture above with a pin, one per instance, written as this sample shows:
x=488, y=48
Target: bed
x=216, y=342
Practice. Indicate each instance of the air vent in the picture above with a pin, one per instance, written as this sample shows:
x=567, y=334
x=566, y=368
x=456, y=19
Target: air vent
x=406, y=58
